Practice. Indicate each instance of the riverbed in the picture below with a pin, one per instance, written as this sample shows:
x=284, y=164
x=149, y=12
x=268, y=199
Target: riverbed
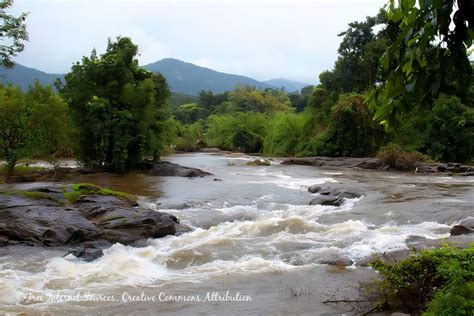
x=256, y=247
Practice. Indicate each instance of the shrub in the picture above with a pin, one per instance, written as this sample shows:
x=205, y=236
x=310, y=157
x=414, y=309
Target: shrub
x=287, y=135
x=443, y=276
x=393, y=156
x=240, y=132
x=451, y=131
x=352, y=130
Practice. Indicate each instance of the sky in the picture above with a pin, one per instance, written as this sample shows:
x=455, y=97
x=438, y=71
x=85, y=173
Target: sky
x=262, y=39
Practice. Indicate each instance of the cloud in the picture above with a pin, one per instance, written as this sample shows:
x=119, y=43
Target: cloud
x=295, y=39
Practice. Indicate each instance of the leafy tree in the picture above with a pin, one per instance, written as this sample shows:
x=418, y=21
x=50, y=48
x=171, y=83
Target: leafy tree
x=356, y=68
x=188, y=113
x=300, y=100
x=119, y=109
x=451, y=130
x=352, y=132
x=269, y=101
x=12, y=34
x=209, y=101
x=32, y=123
x=428, y=57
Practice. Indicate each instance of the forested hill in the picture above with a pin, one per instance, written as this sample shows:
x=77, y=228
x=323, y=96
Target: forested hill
x=191, y=79
x=182, y=77
x=24, y=76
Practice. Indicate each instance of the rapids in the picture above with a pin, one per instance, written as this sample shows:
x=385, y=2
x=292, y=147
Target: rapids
x=254, y=233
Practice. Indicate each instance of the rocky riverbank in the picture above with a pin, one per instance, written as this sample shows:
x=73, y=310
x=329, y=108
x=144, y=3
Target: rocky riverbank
x=158, y=168
x=378, y=164
x=83, y=218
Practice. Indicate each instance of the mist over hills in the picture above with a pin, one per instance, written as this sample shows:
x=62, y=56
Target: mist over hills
x=182, y=77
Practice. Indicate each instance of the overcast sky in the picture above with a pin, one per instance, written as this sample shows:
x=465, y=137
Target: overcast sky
x=263, y=39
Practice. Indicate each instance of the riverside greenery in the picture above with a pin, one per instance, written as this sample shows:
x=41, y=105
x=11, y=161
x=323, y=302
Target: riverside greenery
x=112, y=114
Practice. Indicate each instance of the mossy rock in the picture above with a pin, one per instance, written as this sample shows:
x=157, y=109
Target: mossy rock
x=77, y=190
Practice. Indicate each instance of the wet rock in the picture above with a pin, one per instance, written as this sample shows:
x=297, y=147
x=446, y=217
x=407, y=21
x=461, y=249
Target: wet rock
x=463, y=228
x=346, y=162
x=377, y=164
x=210, y=150
x=332, y=196
x=92, y=222
x=337, y=260
x=327, y=200
x=258, y=162
x=314, y=188
x=165, y=168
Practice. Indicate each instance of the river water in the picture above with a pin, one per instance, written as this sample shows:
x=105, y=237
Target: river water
x=256, y=245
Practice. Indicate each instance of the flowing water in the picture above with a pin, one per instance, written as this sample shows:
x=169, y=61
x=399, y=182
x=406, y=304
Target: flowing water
x=254, y=234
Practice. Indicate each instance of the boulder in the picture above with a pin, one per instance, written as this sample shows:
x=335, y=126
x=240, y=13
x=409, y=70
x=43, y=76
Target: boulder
x=327, y=200
x=258, y=162
x=315, y=188
x=169, y=169
x=463, y=228
x=332, y=196
x=89, y=225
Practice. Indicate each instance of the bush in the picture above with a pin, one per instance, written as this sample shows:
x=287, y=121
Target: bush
x=394, y=157
x=188, y=137
x=352, y=130
x=451, y=131
x=443, y=276
x=239, y=132
x=288, y=134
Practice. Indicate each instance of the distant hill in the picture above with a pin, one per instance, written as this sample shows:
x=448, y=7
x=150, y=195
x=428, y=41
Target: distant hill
x=289, y=85
x=191, y=79
x=182, y=77
x=25, y=76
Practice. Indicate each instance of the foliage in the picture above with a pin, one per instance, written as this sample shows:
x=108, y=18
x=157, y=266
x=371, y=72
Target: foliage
x=268, y=101
x=118, y=108
x=20, y=169
x=12, y=34
x=188, y=137
x=356, y=68
x=451, y=130
x=240, y=132
x=393, y=156
x=32, y=123
x=444, y=275
x=287, y=134
x=428, y=57
x=299, y=101
x=352, y=132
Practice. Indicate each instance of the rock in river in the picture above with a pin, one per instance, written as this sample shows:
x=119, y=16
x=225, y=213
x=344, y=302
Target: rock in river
x=165, y=168
x=40, y=218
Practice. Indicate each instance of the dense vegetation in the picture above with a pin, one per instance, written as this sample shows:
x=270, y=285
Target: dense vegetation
x=118, y=108
x=111, y=113
x=433, y=282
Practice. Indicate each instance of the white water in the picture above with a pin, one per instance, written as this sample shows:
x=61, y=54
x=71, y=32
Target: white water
x=255, y=221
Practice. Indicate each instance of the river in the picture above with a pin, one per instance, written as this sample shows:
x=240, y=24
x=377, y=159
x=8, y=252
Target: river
x=256, y=245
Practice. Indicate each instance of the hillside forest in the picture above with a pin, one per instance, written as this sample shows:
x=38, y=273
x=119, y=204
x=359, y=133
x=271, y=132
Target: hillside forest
x=402, y=86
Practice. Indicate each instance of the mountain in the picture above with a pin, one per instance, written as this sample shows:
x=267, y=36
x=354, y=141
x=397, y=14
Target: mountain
x=191, y=79
x=25, y=76
x=289, y=85
x=182, y=77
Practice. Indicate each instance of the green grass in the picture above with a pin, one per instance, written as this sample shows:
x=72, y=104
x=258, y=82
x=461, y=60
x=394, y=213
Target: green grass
x=21, y=169
x=80, y=189
x=35, y=195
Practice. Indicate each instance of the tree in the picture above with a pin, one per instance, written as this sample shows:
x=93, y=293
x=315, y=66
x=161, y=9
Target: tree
x=31, y=123
x=12, y=34
x=356, y=68
x=428, y=57
x=269, y=101
x=119, y=109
